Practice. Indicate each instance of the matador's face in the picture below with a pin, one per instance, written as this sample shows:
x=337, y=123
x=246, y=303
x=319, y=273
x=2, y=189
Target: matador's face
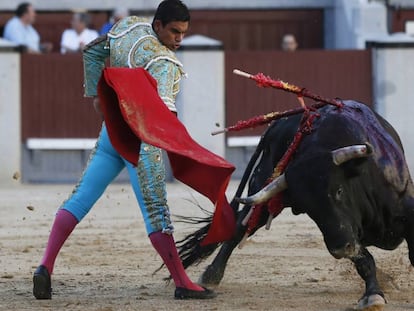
x=171, y=34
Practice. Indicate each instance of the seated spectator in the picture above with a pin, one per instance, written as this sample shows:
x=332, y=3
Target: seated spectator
x=117, y=15
x=289, y=43
x=19, y=30
x=76, y=38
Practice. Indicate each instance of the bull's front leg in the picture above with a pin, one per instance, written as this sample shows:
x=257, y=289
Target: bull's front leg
x=409, y=227
x=215, y=271
x=373, y=296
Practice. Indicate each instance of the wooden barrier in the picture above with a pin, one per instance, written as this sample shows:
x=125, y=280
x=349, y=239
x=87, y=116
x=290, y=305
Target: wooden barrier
x=343, y=74
x=53, y=105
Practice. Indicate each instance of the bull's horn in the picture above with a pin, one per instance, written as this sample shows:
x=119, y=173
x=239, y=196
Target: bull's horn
x=269, y=222
x=243, y=240
x=277, y=185
x=341, y=155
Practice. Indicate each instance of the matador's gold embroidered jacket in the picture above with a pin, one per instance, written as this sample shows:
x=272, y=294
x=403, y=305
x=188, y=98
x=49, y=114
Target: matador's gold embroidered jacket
x=133, y=43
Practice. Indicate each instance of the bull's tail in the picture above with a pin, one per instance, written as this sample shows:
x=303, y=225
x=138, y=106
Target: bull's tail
x=189, y=248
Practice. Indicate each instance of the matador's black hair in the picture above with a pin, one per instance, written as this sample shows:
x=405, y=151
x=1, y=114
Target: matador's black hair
x=172, y=11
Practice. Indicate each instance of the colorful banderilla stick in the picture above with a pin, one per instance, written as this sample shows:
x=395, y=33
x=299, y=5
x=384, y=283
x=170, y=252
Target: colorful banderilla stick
x=264, y=81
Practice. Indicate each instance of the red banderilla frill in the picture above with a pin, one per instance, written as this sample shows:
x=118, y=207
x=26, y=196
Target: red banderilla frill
x=264, y=81
x=275, y=204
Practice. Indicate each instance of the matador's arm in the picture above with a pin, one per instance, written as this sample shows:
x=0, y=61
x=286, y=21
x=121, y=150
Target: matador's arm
x=167, y=75
x=94, y=57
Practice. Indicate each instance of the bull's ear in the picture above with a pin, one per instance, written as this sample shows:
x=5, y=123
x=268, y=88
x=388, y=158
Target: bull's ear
x=352, y=168
x=348, y=153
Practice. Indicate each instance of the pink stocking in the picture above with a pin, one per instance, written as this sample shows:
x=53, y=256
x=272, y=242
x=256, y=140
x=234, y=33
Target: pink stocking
x=165, y=246
x=62, y=227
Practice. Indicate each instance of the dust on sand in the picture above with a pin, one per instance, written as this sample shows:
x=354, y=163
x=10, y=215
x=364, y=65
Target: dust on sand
x=108, y=262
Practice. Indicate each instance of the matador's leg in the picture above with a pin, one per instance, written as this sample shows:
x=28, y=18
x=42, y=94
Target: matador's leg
x=103, y=166
x=148, y=181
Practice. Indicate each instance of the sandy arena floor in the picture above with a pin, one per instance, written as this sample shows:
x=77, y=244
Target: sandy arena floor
x=108, y=263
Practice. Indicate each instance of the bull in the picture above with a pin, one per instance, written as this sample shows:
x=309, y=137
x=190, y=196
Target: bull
x=349, y=175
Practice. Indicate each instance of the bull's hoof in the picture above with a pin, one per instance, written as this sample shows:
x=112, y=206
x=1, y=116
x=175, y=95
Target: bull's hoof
x=211, y=276
x=371, y=303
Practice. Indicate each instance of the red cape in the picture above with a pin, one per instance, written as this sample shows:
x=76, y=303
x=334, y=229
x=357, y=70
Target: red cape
x=133, y=111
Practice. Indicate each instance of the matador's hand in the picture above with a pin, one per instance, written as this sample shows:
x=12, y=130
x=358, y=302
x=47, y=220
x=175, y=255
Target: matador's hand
x=97, y=106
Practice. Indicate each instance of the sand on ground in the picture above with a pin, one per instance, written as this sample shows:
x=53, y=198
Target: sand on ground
x=108, y=262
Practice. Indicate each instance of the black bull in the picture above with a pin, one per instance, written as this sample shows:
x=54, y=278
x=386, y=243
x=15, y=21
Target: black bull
x=357, y=202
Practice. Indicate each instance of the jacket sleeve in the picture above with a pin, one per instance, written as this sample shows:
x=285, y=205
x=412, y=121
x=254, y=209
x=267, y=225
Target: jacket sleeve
x=94, y=57
x=168, y=76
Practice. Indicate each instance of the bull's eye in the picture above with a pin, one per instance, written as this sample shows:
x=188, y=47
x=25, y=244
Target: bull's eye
x=338, y=194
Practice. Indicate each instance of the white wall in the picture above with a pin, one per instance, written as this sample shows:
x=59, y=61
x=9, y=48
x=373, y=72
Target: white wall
x=152, y=4
x=401, y=3
x=201, y=101
x=350, y=23
x=9, y=116
x=394, y=93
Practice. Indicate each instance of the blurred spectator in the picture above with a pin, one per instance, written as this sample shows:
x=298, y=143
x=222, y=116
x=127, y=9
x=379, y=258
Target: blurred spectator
x=289, y=43
x=75, y=39
x=19, y=30
x=118, y=14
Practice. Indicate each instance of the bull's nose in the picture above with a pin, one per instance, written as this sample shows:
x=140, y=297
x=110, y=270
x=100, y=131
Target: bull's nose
x=347, y=251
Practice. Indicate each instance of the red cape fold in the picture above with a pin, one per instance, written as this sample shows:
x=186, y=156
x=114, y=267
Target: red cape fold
x=133, y=111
